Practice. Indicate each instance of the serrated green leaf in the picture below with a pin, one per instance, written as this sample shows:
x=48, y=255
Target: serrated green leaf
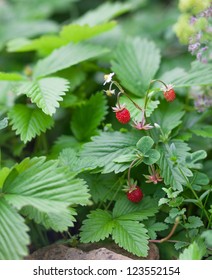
x=136, y=63
x=98, y=226
x=193, y=252
x=45, y=93
x=198, y=75
x=168, y=116
x=172, y=162
x=67, y=56
x=10, y=77
x=43, y=191
x=28, y=122
x=13, y=233
x=154, y=227
x=58, y=221
x=76, y=33
x=70, y=158
x=151, y=157
x=103, y=13
x=88, y=117
x=108, y=146
x=145, y=144
x=64, y=142
x=132, y=236
x=193, y=222
x=125, y=158
x=204, y=131
x=126, y=210
x=102, y=186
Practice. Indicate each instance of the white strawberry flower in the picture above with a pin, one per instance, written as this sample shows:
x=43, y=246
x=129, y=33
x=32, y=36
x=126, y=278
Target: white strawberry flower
x=108, y=78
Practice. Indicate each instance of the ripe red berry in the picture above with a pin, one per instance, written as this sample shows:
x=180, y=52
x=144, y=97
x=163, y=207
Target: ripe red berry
x=123, y=116
x=169, y=95
x=135, y=194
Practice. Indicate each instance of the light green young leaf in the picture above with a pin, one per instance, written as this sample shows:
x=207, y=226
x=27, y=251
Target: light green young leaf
x=125, y=158
x=67, y=56
x=69, y=33
x=45, y=93
x=126, y=210
x=151, y=157
x=145, y=144
x=136, y=63
x=10, y=77
x=108, y=146
x=132, y=236
x=13, y=233
x=193, y=252
x=192, y=159
x=98, y=226
x=28, y=122
x=3, y=123
x=88, y=117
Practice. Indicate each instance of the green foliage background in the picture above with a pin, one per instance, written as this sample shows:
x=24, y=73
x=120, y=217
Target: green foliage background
x=63, y=156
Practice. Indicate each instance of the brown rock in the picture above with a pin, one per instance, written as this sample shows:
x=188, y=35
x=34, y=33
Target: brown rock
x=93, y=251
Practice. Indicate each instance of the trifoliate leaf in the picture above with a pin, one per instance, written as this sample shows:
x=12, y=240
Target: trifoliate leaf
x=13, y=233
x=45, y=93
x=28, y=122
x=98, y=226
x=136, y=63
x=132, y=236
x=87, y=117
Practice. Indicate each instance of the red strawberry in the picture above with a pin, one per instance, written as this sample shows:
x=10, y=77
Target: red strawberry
x=169, y=95
x=122, y=114
x=135, y=194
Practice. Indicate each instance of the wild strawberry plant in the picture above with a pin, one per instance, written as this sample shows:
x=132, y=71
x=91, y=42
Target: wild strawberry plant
x=101, y=137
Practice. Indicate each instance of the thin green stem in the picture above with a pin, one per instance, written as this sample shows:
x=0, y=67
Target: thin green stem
x=146, y=98
x=128, y=175
x=124, y=93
